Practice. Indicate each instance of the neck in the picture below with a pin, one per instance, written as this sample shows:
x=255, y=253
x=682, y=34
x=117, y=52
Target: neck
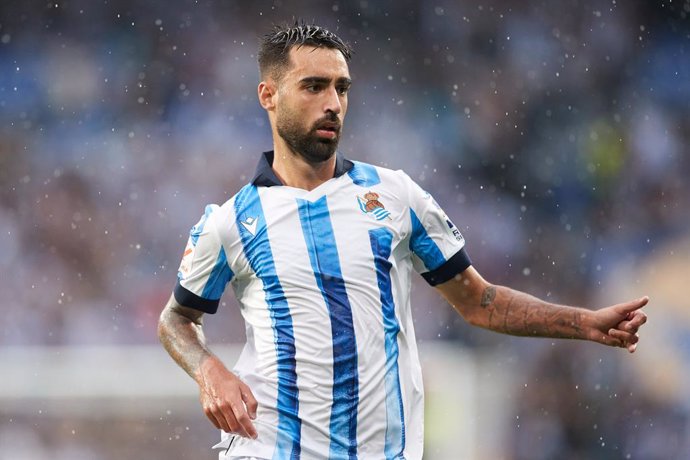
x=294, y=171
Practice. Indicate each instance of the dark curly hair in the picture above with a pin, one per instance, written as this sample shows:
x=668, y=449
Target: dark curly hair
x=274, y=49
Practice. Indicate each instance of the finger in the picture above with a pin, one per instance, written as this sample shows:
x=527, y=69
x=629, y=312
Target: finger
x=226, y=417
x=632, y=326
x=249, y=401
x=638, y=318
x=223, y=412
x=217, y=422
x=245, y=425
x=627, y=326
x=629, y=307
x=208, y=407
x=624, y=337
x=610, y=340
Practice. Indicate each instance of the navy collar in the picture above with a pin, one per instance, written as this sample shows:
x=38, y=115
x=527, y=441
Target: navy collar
x=265, y=177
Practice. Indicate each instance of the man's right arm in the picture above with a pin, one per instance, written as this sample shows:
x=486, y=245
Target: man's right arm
x=227, y=401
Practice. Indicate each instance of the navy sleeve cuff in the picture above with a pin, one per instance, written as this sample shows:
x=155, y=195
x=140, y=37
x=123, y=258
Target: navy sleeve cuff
x=456, y=264
x=187, y=298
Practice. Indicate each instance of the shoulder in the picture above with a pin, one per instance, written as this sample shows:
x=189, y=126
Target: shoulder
x=368, y=175
x=225, y=212
x=237, y=200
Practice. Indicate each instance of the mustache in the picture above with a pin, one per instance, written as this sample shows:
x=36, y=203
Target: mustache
x=329, y=121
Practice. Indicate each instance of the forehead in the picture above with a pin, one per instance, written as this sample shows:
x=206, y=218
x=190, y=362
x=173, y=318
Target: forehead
x=311, y=61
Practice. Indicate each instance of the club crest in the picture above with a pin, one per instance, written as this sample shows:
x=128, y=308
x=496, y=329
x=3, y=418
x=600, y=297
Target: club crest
x=370, y=204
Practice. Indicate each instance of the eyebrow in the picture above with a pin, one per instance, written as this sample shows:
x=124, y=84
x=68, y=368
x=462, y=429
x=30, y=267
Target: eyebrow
x=324, y=81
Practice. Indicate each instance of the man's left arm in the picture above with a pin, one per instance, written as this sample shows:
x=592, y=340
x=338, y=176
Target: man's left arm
x=506, y=310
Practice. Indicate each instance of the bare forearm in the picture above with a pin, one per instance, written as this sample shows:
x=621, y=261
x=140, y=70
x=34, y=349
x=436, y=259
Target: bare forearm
x=506, y=310
x=227, y=401
x=184, y=340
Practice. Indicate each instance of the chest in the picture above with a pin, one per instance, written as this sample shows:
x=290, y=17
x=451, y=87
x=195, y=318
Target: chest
x=334, y=233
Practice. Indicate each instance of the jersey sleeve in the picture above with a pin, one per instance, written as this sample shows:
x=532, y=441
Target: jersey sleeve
x=204, y=271
x=437, y=246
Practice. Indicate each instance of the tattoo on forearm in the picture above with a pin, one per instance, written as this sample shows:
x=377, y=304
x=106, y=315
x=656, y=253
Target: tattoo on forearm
x=488, y=296
x=509, y=309
x=576, y=322
x=525, y=318
x=516, y=313
x=184, y=341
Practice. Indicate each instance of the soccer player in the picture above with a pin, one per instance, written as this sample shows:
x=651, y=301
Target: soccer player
x=319, y=251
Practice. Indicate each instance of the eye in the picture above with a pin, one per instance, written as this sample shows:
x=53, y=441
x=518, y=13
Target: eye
x=313, y=88
x=343, y=90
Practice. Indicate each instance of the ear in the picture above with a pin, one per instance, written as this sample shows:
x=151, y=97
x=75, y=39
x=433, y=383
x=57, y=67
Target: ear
x=267, y=93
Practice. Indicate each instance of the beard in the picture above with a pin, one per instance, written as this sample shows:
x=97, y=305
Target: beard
x=307, y=144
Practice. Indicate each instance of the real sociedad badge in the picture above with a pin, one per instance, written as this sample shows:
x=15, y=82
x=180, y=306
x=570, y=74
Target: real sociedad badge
x=370, y=204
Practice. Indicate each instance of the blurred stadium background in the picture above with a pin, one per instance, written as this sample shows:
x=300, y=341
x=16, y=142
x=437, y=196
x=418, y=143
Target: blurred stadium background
x=554, y=133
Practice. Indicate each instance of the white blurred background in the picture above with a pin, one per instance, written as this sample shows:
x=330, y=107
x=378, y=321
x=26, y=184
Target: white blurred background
x=555, y=134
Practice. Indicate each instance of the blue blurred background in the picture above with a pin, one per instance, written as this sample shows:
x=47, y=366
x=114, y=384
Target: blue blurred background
x=555, y=134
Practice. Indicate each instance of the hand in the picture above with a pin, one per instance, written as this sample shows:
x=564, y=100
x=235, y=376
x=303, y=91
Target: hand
x=617, y=325
x=227, y=401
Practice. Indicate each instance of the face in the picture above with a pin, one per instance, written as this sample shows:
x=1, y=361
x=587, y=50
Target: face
x=311, y=102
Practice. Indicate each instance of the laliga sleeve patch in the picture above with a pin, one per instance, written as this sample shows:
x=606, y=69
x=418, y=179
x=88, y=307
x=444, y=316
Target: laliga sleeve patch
x=450, y=226
x=453, y=230
x=187, y=259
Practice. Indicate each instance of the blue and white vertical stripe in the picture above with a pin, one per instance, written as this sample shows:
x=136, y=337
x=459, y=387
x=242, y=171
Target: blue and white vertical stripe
x=257, y=249
x=323, y=283
x=325, y=262
x=381, y=240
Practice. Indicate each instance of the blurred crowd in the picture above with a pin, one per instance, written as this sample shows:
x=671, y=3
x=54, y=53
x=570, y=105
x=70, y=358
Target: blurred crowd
x=555, y=134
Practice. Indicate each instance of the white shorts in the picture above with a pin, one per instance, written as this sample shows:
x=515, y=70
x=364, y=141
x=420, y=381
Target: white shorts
x=239, y=458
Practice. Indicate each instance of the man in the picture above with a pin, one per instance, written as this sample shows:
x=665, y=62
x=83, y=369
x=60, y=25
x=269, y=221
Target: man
x=319, y=251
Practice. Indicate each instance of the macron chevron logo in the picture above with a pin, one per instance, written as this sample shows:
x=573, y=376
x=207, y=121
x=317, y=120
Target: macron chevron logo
x=250, y=224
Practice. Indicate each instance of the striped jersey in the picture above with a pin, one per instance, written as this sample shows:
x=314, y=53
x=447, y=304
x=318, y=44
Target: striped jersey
x=323, y=282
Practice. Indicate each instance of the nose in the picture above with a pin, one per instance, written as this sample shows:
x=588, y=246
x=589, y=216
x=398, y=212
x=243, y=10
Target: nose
x=333, y=102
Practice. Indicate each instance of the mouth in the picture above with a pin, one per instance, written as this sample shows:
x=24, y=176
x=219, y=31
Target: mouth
x=328, y=130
